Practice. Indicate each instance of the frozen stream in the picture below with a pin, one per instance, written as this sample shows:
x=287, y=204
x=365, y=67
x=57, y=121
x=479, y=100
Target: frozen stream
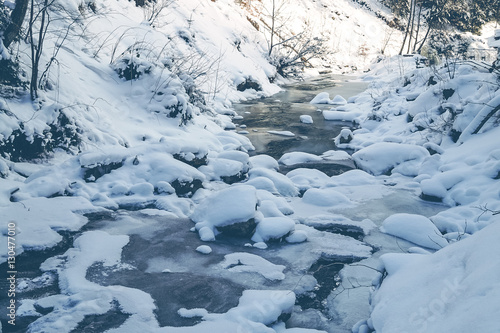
x=161, y=259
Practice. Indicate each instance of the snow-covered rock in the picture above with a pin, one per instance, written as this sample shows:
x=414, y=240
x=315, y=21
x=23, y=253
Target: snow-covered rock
x=306, y=119
x=298, y=157
x=321, y=98
x=233, y=205
x=387, y=157
x=325, y=197
x=284, y=185
x=273, y=228
x=417, y=229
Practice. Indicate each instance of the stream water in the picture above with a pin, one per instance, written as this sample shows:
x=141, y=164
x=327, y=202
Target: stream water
x=162, y=252
x=282, y=111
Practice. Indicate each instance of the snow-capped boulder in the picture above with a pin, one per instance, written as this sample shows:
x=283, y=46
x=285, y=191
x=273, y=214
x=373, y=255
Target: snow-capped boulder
x=325, y=197
x=232, y=209
x=321, y=98
x=417, y=229
x=273, y=228
x=284, y=185
x=388, y=157
x=306, y=119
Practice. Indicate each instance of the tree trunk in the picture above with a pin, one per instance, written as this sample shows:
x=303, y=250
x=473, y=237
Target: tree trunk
x=406, y=32
x=273, y=19
x=16, y=22
x=419, y=50
x=418, y=28
x=412, y=16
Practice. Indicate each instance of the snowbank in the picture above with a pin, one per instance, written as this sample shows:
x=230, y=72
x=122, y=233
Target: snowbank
x=456, y=288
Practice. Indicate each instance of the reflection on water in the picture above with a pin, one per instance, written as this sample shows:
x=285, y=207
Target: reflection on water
x=281, y=112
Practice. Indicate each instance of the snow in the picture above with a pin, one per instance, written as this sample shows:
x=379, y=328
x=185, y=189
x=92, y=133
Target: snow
x=235, y=204
x=284, y=185
x=339, y=100
x=205, y=249
x=255, y=311
x=325, y=221
x=324, y=98
x=81, y=297
x=325, y=197
x=304, y=178
x=263, y=161
x=246, y=262
x=138, y=152
x=445, y=288
x=384, y=157
x=50, y=215
x=298, y=157
x=340, y=115
x=282, y=133
x=306, y=119
x=271, y=228
x=321, y=98
x=414, y=228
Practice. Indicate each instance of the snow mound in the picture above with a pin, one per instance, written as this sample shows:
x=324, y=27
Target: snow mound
x=262, y=183
x=271, y=228
x=332, y=221
x=205, y=249
x=321, y=98
x=306, y=119
x=340, y=115
x=282, y=133
x=255, y=311
x=281, y=203
x=354, y=177
x=284, y=185
x=417, y=229
x=384, y=157
x=263, y=161
x=325, y=197
x=324, y=98
x=246, y=262
x=232, y=205
x=305, y=178
x=339, y=100
x=298, y=157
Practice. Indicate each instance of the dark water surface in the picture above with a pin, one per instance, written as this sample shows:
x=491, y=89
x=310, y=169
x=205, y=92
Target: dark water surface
x=282, y=111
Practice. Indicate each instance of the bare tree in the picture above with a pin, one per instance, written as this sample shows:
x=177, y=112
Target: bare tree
x=296, y=52
x=37, y=13
x=153, y=9
x=287, y=51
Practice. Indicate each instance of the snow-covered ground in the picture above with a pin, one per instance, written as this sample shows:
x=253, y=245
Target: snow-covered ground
x=163, y=144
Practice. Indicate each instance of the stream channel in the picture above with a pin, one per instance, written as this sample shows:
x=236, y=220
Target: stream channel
x=162, y=252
